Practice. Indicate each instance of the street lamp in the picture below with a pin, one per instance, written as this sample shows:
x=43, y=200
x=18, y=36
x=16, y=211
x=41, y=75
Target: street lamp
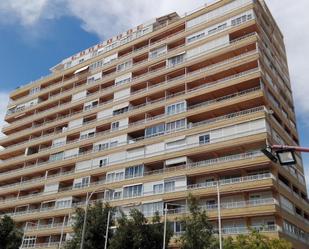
x=219, y=213
x=284, y=153
x=88, y=197
x=286, y=157
x=165, y=221
x=25, y=229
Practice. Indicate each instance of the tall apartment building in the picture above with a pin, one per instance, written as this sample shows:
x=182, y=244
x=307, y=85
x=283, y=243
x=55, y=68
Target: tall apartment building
x=163, y=110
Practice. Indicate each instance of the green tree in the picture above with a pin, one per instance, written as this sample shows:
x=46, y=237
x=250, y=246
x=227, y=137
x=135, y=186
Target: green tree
x=198, y=231
x=255, y=240
x=10, y=235
x=96, y=224
x=136, y=232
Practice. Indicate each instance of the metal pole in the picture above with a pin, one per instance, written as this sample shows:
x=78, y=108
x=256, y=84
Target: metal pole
x=62, y=230
x=107, y=228
x=84, y=223
x=219, y=214
x=286, y=147
x=164, y=232
x=23, y=239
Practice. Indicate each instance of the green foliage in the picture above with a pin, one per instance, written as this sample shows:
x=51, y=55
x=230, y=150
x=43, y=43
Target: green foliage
x=10, y=236
x=198, y=231
x=255, y=240
x=95, y=227
x=136, y=232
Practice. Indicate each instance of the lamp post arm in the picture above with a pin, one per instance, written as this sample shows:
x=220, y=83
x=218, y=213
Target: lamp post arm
x=286, y=147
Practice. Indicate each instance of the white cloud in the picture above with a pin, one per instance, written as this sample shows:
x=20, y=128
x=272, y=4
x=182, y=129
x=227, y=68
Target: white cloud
x=293, y=20
x=4, y=97
x=27, y=12
x=107, y=18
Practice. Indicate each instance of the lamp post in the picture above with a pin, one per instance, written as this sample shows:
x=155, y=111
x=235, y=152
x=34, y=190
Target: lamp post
x=62, y=230
x=24, y=235
x=219, y=213
x=88, y=197
x=165, y=221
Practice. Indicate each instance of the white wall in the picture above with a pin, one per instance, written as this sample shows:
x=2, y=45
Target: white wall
x=78, y=96
x=136, y=153
x=75, y=123
x=155, y=148
x=105, y=113
x=59, y=141
x=122, y=94
x=51, y=187
x=83, y=166
x=71, y=153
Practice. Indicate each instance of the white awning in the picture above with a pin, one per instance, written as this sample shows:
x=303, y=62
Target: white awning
x=176, y=160
x=81, y=69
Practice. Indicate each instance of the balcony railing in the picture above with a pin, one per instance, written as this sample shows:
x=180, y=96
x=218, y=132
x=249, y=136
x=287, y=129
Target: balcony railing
x=222, y=182
x=206, y=122
x=96, y=135
x=168, y=81
x=205, y=163
x=162, y=69
x=211, y=84
x=150, y=46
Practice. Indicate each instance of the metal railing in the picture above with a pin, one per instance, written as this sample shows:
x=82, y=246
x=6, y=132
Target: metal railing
x=162, y=69
x=190, y=126
x=103, y=182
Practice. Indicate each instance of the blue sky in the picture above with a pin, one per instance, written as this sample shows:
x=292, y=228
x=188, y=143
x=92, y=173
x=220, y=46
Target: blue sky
x=37, y=34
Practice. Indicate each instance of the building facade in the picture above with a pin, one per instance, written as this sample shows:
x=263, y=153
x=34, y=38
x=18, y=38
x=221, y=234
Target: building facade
x=168, y=108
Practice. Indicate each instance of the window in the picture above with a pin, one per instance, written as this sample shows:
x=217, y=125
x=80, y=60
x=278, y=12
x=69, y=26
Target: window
x=29, y=242
x=135, y=171
x=114, y=176
x=91, y=105
x=100, y=147
x=88, y=135
x=216, y=29
x=205, y=139
x=176, y=108
x=56, y=157
x=114, y=144
x=120, y=111
x=115, y=126
x=158, y=188
x=174, y=61
x=177, y=143
x=82, y=182
x=176, y=125
x=149, y=209
x=126, y=78
x=195, y=37
x=103, y=162
x=169, y=186
x=34, y=90
x=117, y=195
x=126, y=39
x=63, y=204
x=132, y=191
x=96, y=65
x=157, y=52
x=241, y=19
x=125, y=65
x=154, y=130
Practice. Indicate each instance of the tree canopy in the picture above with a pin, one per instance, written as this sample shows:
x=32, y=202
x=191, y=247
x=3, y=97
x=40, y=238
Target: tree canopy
x=10, y=235
x=95, y=227
x=198, y=231
x=136, y=232
x=255, y=240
